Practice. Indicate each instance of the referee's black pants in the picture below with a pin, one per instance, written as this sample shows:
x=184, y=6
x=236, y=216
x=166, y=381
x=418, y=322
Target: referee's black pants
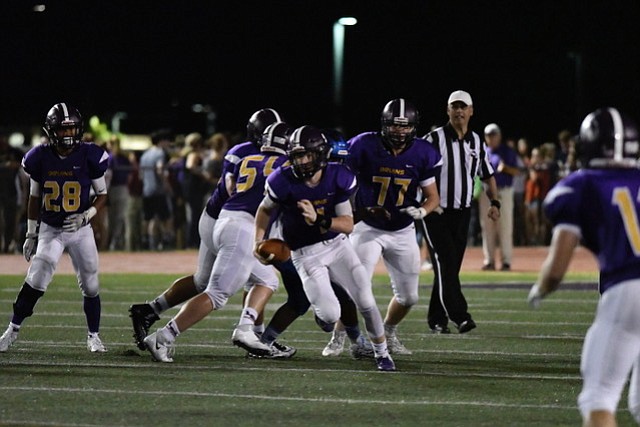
x=447, y=242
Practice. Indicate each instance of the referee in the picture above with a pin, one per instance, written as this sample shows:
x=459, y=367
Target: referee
x=464, y=156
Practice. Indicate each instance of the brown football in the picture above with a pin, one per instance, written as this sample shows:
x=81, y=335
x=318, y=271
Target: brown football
x=274, y=250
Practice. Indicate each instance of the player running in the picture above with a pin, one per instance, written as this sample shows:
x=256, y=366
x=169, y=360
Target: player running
x=599, y=207
x=392, y=166
x=313, y=196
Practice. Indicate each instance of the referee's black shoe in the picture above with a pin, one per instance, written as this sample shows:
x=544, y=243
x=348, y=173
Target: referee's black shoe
x=440, y=329
x=466, y=326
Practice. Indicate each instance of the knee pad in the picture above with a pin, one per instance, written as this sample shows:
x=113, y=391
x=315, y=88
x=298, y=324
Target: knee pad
x=217, y=299
x=40, y=272
x=408, y=300
x=26, y=300
x=327, y=317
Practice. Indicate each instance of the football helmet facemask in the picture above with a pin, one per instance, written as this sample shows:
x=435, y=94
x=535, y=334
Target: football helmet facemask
x=65, y=118
x=608, y=138
x=400, y=120
x=308, y=151
x=259, y=121
x=275, y=138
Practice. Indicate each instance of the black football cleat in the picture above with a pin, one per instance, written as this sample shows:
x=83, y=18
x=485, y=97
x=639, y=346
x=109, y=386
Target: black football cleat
x=142, y=317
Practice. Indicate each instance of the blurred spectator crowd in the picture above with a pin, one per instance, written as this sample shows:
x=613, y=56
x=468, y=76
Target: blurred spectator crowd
x=186, y=168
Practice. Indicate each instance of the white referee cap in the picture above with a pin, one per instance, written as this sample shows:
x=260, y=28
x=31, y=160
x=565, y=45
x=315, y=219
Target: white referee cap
x=460, y=95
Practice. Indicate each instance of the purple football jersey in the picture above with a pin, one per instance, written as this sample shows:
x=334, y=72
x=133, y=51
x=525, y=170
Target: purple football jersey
x=391, y=181
x=509, y=157
x=250, y=176
x=336, y=186
x=605, y=205
x=231, y=160
x=65, y=183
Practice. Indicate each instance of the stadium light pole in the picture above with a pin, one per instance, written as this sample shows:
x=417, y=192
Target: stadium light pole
x=338, y=59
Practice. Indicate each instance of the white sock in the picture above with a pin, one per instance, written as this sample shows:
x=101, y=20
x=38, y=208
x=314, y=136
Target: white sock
x=248, y=316
x=258, y=329
x=169, y=333
x=160, y=304
x=380, y=350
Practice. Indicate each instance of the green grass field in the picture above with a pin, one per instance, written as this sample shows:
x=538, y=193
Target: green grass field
x=519, y=367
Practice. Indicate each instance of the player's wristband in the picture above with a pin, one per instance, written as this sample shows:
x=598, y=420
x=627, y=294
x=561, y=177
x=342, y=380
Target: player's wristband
x=323, y=222
x=32, y=226
x=496, y=203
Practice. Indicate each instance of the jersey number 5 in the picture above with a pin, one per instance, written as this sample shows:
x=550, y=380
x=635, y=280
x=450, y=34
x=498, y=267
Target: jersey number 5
x=249, y=173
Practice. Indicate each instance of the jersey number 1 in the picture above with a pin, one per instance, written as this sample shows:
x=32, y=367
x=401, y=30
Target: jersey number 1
x=623, y=200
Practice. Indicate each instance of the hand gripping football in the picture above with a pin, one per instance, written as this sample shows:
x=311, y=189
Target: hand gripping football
x=274, y=250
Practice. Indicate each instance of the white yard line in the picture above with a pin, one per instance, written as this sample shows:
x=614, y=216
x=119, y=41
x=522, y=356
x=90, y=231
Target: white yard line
x=340, y=400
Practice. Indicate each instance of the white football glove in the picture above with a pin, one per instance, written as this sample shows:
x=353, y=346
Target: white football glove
x=415, y=213
x=535, y=297
x=74, y=222
x=29, y=247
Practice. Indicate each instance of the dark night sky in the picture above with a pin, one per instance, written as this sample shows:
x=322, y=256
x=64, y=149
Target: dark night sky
x=154, y=59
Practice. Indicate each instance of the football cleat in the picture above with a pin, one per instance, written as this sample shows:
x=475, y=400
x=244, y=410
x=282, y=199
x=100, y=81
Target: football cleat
x=282, y=351
x=8, y=338
x=278, y=351
x=142, y=317
x=161, y=352
x=362, y=349
x=94, y=344
x=244, y=337
x=395, y=346
x=385, y=364
x=336, y=345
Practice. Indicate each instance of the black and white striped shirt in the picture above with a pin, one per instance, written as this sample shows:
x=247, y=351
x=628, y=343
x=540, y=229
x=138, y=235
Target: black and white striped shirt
x=462, y=161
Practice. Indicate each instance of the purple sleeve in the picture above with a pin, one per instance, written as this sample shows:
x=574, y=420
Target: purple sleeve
x=97, y=161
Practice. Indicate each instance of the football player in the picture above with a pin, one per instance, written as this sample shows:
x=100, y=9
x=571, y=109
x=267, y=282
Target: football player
x=298, y=304
x=143, y=316
x=230, y=238
x=313, y=196
x=392, y=166
x=62, y=173
x=599, y=206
